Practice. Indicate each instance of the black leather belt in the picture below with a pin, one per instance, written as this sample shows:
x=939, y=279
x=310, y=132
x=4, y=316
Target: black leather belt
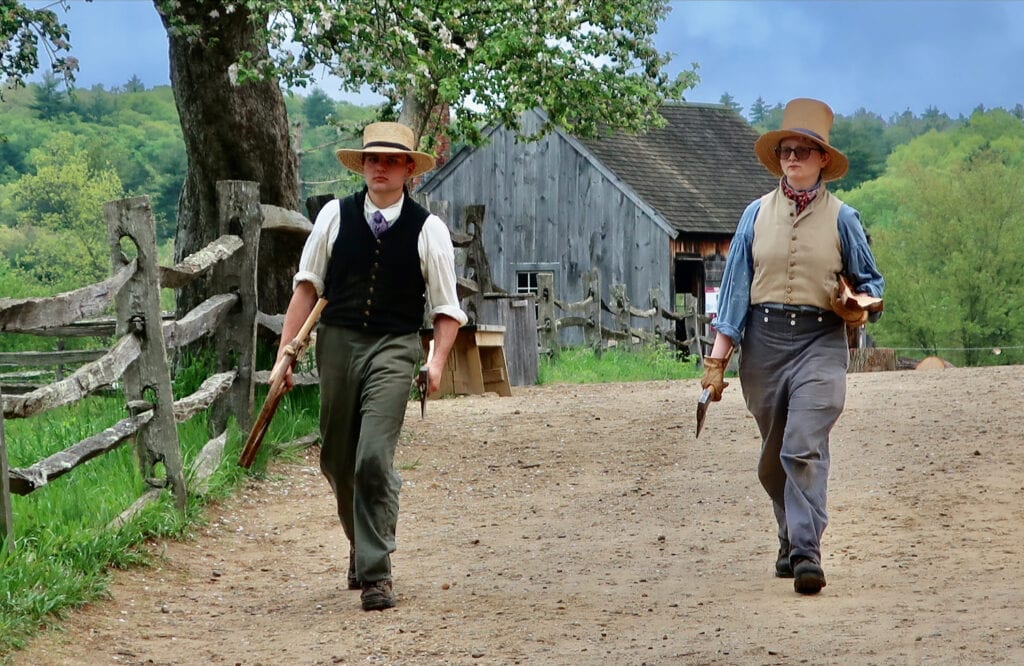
x=792, y=309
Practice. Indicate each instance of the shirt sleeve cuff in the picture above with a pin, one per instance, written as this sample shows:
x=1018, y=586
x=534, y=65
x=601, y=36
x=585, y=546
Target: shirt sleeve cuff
x=450, y=311
x=728, y=331
x=312, y=278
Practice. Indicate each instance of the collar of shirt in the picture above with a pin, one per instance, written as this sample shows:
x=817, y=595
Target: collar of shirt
x=390, y=213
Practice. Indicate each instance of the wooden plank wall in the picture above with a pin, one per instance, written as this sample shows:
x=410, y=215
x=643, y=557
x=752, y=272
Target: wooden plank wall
x=546, y=203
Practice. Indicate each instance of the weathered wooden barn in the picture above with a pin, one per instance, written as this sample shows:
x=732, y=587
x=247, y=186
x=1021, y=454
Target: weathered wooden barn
x=655, y=210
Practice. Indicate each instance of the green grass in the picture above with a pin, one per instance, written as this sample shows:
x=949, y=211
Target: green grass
x=580, y=365
x=63, y=547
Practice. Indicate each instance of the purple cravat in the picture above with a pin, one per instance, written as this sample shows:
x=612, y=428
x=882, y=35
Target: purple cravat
x=379, y=224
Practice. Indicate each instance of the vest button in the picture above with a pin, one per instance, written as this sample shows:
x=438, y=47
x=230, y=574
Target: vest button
x=367, y=313
x=369, y=301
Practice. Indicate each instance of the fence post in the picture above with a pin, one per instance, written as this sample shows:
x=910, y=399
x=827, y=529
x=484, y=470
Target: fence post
x=592, y=290
x=547, y=323
x=694, y=332
x=6, y=520
x=238, y=214
x=622, y=319
x=148, y=378
x=654, y=295
x=477, y=266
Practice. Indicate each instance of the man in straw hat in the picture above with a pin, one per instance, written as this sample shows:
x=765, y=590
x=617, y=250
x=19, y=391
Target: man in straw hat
x=378, y=258
x=778, y=302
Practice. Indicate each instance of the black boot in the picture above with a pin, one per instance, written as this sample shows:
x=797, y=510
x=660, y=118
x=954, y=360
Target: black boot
x=783, y=569
x=353, y=581
x=808, y=576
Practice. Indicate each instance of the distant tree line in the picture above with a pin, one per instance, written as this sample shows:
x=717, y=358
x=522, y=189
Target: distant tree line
x=865, y=137
x=62, y=155
x=942, y=198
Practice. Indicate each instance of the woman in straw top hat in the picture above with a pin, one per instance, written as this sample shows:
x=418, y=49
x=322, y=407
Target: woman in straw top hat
x=778, y=302
x=379, y=259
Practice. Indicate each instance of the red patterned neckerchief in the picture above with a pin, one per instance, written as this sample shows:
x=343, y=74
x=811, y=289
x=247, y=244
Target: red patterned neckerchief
x=802, y=198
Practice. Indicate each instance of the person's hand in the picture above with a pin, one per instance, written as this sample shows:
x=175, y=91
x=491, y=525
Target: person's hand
x=714, y=377
x=289, y=378
x=847, y=309
x=852, y=317
x=284, y=365
x=852, y=307
x=435, y=371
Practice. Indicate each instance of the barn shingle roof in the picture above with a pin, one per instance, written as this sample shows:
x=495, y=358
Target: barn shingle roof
x=699, y=171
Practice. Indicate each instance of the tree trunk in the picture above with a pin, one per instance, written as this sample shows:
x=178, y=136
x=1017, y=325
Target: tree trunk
x=414, y=113
x=231, y=132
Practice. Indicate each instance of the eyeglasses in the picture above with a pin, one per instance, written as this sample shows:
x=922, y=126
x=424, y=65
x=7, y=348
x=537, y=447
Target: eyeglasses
x=801, y=152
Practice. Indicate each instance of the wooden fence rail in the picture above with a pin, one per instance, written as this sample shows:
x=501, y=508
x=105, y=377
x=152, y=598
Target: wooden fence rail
x=659, y=327
x=138, y=359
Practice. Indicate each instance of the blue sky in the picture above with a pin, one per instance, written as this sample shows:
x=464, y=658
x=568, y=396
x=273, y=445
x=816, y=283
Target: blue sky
x=884, y=56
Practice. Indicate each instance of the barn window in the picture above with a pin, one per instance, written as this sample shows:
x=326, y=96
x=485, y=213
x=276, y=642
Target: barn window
x=526, y=275
x=526, y=282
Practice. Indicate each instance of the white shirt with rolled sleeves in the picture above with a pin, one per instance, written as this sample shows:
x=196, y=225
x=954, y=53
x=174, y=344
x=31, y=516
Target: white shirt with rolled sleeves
x=437, y=255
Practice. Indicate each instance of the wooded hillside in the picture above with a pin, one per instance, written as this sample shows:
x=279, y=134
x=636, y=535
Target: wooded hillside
x=940, y=196
x=62, y=156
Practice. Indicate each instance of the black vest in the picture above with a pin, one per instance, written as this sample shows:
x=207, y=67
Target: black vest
x=375, y=284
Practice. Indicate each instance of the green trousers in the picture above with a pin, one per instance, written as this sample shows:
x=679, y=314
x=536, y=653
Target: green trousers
x=364, y=388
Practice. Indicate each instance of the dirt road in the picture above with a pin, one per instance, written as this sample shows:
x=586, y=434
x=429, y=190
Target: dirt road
x=585, y=525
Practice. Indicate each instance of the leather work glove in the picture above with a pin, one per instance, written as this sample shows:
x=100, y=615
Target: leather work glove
x=844, y=304
x=714, y=377
x=852, y=316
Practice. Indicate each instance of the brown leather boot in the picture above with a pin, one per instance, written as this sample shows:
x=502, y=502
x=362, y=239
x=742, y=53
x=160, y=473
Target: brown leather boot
x=377, y=595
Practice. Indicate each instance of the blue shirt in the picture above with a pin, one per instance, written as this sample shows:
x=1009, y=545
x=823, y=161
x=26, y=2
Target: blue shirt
x=734, y=297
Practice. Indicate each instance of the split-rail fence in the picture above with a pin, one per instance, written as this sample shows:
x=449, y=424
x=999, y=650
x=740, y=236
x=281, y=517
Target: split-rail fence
x=137, y=362
x=659, y=325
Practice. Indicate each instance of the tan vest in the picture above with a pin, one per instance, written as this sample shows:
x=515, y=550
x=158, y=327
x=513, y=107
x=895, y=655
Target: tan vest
x=796, y=257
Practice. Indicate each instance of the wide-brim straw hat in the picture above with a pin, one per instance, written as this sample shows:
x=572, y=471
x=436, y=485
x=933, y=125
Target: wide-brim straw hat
x=810, y=119
x=386, y=138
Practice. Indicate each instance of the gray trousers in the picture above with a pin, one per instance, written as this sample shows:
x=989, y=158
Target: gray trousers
x=364, y=388
x=793, y=374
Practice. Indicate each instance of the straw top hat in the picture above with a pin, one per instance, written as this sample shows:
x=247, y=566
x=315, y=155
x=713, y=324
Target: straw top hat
x=806, y=118
x=386, y=138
